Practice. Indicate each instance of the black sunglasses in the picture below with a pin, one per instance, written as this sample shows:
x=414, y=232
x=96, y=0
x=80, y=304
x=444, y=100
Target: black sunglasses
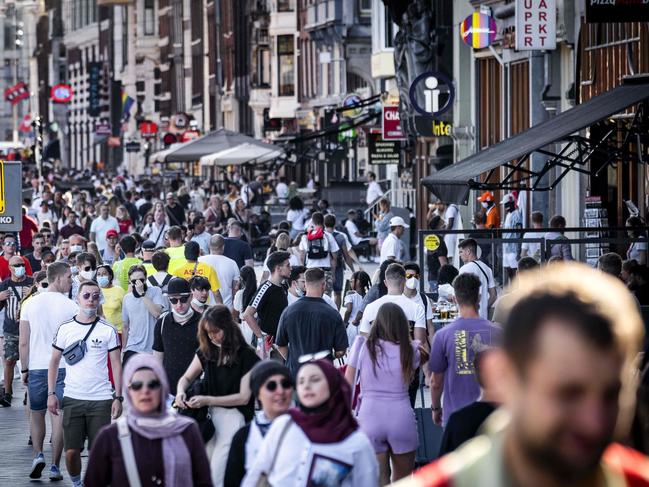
x=94, y=296
x=182, y=299
x=18, y=265
x=271, y=385
x=152, y=385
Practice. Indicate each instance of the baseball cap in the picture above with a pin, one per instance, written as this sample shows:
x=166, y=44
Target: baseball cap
x=178, y=285
x=508, y=198
x=148, y=245
x=112, y=233
x=397, y=221
x=486, y=196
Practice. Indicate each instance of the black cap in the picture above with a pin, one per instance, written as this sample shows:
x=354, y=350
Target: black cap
x=192, y=250
x=178, y=285
x=263, y=370
x=148, y=245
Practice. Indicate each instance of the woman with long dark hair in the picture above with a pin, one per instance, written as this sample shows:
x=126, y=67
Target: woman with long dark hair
x=226, y=360
x=243, y=297
x=385, y=364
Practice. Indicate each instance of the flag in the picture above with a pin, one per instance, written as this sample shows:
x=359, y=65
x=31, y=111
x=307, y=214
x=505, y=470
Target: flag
x=26, y=124
x=127, y=103
x=16, y=93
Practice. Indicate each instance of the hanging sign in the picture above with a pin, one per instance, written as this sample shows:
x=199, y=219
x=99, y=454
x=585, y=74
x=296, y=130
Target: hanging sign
x=392, y=124
x=148, y=129
x=11, y=196
x=349, y=101
x=61, y=93
x=382, y=151
x=478, y=30
x=432, y=94
x=536, y=25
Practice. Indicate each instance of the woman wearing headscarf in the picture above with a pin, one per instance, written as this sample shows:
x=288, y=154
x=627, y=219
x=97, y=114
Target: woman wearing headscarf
x=317, y=443
x=271, y=385
x=168, y=449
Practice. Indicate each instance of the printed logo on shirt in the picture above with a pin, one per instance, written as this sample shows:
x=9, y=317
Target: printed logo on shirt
x=467, y=344
x=95, y=343
x=327, y=472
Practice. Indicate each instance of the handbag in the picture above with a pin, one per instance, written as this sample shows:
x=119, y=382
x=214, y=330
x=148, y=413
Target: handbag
x=74, y=353
x=356, y=392
x=263, y=477
x=202, y=415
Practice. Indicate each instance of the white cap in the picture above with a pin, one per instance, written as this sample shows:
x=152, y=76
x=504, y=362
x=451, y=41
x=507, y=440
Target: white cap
x=508, y=198
x=397, y=221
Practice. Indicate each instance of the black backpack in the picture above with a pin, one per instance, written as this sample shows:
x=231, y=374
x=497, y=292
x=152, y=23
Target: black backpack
x=317, y=248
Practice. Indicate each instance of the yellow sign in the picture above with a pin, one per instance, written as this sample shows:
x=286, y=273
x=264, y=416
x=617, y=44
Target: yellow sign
x=431, y=242
x=2, y=187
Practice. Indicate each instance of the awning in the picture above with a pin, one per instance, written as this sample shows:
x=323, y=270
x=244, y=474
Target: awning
x=242, y=154
x=453, y=183
x=211, y=143
x=161, y=155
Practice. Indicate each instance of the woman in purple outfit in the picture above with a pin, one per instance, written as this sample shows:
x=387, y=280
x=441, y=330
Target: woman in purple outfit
x=385, y=363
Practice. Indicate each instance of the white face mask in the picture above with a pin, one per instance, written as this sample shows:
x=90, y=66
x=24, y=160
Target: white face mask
x=198, y=303
x=19, y=271
x=88, y=275
x=412, y=283
x=485, y=204
x=89, y=312
x=182, y=317
x=76, y=248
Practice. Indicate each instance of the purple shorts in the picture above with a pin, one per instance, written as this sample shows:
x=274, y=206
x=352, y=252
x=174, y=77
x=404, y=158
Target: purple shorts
x=390, y=424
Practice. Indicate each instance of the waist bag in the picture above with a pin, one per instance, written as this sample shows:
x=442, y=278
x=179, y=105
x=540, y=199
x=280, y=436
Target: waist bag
x=75, y=352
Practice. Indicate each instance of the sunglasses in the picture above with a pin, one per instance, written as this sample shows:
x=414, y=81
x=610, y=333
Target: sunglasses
x=182, y=299
x=408, y=276
x=10, y=244
x=87, y=268
x=312, y=357
x=272, y=385
x=18, y=265
x=94, y=296
x=152, y=385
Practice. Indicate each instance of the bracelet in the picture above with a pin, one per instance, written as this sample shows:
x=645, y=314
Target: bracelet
x=24, y=371
x=436, y=409
x=51, y=393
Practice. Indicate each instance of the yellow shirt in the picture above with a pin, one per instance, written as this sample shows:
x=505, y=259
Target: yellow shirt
x=176, y=258
x=113, y=297
x=202, y=269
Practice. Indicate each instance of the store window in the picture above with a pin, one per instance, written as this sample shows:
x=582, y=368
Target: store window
x=286, y=65
x=365, y=7
x=149, y=17
x=263, y=67
x=285, y=5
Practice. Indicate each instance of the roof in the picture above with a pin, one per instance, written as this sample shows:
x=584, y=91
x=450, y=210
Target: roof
x=452, y=184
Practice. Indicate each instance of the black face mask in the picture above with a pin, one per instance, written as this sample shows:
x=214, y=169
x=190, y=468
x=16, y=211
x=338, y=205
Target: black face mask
x=138, y=295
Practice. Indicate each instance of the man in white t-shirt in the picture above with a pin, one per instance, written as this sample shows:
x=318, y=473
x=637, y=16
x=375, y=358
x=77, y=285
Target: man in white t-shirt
x=88, y=403
x=453, y=221
x=468, y=254
x=392, y=247
x=318, y=248
x=40, y=317
x=101, y=225
x=374, y=191
x=226, y=269
x=356, y=237
x=533, y=249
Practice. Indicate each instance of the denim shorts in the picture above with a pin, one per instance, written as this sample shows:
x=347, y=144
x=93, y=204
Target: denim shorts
x=37, y=388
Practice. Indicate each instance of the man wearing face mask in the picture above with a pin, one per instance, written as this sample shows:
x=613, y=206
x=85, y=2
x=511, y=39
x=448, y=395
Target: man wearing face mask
x=491, y=212
x=8, y=251
x=176, y=332
x=86, y=271
x=12, y=291
x=411, y=291
x=89, y=402
x=200, y=289
x=77, y=243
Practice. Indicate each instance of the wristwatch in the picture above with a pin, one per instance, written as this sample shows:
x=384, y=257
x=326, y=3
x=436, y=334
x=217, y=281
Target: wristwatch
x=51, y=393
x=435, y=410
x=119, y=398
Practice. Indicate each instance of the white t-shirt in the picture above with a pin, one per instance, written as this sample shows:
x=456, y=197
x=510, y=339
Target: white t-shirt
x=429, y=308
x=391, y=247
x=88, y=378
x=281, y=190
x=352, y=229
x=414, y=312
x=533, y=248
x=45, y=312
x=100, y=226
x=296, y=217
x=356, y=301
x=327, y=299
x=326, y=262
x=373, y=192
x=450, y=240
x=226, y=270
x=486, y=282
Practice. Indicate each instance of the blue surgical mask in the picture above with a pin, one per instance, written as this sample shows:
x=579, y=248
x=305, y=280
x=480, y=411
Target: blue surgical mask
x=19, y=271
x=103, y=281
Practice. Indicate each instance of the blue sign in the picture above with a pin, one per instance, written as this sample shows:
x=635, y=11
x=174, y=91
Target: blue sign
x=432, y=94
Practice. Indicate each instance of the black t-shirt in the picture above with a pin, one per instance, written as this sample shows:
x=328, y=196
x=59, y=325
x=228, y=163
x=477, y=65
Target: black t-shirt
x=432, y=259
x=178, y=343
x=464, y=424
x=269, y=302
x=310, y=325
x=17, y=291
x=145, y=208
x=223, y=380
x=34, y=262
x=237, y=250
x=176, y=214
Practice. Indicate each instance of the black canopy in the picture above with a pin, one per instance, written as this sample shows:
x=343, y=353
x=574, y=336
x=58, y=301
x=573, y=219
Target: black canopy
x=452, y=184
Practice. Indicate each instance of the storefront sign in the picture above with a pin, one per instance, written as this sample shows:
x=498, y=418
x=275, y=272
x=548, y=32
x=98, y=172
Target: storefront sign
x=426, y=127
x=11, y=196
x=431, y=243
x=383, y=151
x=351, y=100
x=148, y=129
x=478, y=30
x=103, y=129
x=617, y=11
x=61, y=93
x=132, y=147
x=536, y=25
x=94, y=89
x=392, y=124
x=432, y=94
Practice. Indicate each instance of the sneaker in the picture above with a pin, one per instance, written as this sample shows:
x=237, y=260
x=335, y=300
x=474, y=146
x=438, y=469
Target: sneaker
x=77, y=484
x=5, y=400
x=37, y=466
x=55, y=473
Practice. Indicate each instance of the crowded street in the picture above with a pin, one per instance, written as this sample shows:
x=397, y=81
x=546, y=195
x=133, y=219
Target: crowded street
x=324, y=243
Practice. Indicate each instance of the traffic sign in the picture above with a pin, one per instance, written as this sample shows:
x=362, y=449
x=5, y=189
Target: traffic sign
x=61, y=93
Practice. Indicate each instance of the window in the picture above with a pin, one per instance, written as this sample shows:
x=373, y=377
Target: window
x=263, y=67
x=286, y=65
x=389, y=29
x=149, y=17
x=365, y=7
x=285, y=5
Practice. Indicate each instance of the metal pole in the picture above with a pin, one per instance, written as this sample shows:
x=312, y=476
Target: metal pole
x=15, y=72
x=219, y=72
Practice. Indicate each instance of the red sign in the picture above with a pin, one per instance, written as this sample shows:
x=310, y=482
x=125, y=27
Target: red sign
x=189, y=135
x=169, y=139
x=16, y=93
x=61, y=93
x=392, y=124
x=148, y=129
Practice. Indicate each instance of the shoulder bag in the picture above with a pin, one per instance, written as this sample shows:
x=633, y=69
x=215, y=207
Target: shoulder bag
x=75, y=352
x=125, y=442
x=263, y=478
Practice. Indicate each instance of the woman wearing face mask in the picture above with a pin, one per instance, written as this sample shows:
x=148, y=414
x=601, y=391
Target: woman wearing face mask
x=317, y=440
x=168, y=449
x=385, y=362
x=226, y=360
x=271, y=385
x=113, y=297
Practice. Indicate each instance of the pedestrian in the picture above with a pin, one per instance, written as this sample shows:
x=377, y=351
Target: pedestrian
x=384, y=366
x=436, y=254
x=513, y=221
x=40, y=317
x=156, y=231
x=492, y=214
x=148, y=249
x=318, y=249
x=175, y=249
x=89, y=402
x=297, y=287
x=8, y=251
x=318, y=442
x=283, y=243
x=357, y=238
x=35, y=258
x=639, y=283
x=270, y=300
x=310, y=325
x=175, y=335
x=226, y=360
x=109, y=255
x=174, y=211
x=192, y=268
x=12, y=293
x=637, y=250
x=382, y=222
x=453, y=351
x=393, y=247
x=201, y=235
x=235, y=248
x=296, y=216
x=101, y=225
x=141, y=308
x=345, y=255
x=121, y=267
x=360, y=285
x=610, y=263
x=160, y=277
x=533, y=249
x=167, y=448
x=272, y=387
x=378, y=288
x=468, y=253
x=374, y=191
x=560, y=246
x=245, y=294
x=86, y=270
x=411, y=291
x=445, y=278
x=453, y=219
x=566, y=372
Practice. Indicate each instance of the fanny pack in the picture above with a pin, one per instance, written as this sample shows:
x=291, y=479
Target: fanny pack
x=75, y=352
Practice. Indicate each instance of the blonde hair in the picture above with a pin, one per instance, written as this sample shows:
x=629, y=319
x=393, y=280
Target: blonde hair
x=283, y=241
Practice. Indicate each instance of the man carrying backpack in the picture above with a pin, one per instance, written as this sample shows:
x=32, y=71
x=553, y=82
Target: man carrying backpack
x=345, y=255
x=318, y=249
